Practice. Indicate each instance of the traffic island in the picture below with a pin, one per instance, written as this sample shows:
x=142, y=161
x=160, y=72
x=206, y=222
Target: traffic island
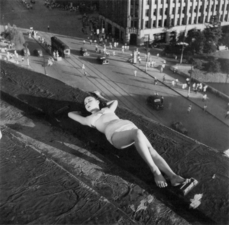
x=41, y=96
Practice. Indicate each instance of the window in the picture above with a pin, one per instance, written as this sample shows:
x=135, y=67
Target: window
x=147, y=12
x=183, y=21
x=160, y=23
x=154, y=23
x=148, y=2
x=146, y=24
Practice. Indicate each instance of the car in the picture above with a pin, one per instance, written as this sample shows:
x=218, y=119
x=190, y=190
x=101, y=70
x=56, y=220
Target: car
x=102, y=60
x=156, y=101
x=178, y=126
x=84, y=52
x=174, y=68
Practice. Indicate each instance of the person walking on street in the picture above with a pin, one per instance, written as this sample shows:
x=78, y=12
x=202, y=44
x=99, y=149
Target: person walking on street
x=204, y=98
x=189, y=109
x=96, y=48
x=48, y=28
x=227, y=114
x=161, y=70
x=205, y=88
x=135, y=73
x=205, y=108
x=83, y=68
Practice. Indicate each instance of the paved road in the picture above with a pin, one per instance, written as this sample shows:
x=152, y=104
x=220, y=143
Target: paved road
x=117, y=80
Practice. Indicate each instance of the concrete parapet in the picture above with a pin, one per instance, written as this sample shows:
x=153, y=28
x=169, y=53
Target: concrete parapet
x=186, y=156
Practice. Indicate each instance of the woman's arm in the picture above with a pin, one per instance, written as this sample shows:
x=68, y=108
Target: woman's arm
x=80, y=119
x=111, y=104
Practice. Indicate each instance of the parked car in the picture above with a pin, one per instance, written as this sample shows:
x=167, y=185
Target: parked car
x=178, y=126
x=156, y=101
x=84, y=52
x=103, y=60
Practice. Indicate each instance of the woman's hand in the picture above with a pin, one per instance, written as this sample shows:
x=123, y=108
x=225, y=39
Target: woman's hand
x=98, y=94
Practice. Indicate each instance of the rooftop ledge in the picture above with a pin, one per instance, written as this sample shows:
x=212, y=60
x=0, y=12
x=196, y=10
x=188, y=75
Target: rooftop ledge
x=43, y=96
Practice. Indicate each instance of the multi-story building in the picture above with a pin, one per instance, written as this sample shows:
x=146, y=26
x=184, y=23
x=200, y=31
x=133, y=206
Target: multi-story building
x=139, y=21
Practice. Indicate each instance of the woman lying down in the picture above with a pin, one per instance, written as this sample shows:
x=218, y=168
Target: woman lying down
x=123, y=133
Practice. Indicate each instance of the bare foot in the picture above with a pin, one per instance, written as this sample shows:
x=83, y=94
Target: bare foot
x=177, y=180
x=160, y=180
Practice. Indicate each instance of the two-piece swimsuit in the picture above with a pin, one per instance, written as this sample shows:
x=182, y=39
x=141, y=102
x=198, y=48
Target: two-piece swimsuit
x=113, y=126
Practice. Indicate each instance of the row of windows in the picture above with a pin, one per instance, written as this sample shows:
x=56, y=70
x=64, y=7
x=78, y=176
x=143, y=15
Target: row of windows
x=200, y=19
x=201, y=9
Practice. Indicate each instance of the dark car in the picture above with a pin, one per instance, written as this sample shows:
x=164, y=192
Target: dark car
x=156, y=101
x=103, y=60
x=84, y=52
x=178, y=126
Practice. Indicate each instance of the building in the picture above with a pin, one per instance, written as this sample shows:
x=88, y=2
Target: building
x=140, y=21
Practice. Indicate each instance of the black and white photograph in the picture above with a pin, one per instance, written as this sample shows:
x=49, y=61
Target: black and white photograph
x=114, y=112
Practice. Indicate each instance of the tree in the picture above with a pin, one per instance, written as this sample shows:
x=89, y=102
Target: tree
x=195, y=40
x=196, y=63
x=225, y=40
x=213, y=65
x=209, y=47
x=212, y=36
x=15, y=36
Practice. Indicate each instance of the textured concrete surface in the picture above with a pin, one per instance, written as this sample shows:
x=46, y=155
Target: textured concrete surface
x=39, y=97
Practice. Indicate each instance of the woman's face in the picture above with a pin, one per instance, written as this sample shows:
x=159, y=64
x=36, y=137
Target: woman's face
x=91, y=104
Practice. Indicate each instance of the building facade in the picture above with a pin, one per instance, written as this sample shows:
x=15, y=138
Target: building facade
x=139, y=21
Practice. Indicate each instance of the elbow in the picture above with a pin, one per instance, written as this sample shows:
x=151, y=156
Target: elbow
x=70, y=115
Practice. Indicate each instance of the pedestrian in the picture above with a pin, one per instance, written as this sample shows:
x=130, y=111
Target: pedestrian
x=139, y=59
x=123, y=49
x=175, y=56
x=173, y=83
x=227, y=114
x=83, y=68
x=204, y=97
x=201, y=87
x=155, y=81
x=135, y=73
x=163, y=78
x=205, y=88
x=205, y=108
x=161, y=70
x=90, y=41
x=50, y=62
x=84, y=42
x=113, y=52
x=96, y=48
x=158, y=55
x=189, y=109
x=48, y=28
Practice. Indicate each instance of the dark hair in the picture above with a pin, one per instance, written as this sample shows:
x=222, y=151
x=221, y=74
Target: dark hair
x=102, y=103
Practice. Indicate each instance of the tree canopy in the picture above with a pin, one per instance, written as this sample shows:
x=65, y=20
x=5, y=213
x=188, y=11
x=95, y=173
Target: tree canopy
x=15, y=36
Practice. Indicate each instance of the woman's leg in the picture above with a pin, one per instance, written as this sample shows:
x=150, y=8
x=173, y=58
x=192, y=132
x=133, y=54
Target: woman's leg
x=163, y=165
x=123, y=139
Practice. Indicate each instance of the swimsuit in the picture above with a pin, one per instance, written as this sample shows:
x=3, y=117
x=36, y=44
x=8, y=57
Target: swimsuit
x=113, y=126
x=118, y=126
